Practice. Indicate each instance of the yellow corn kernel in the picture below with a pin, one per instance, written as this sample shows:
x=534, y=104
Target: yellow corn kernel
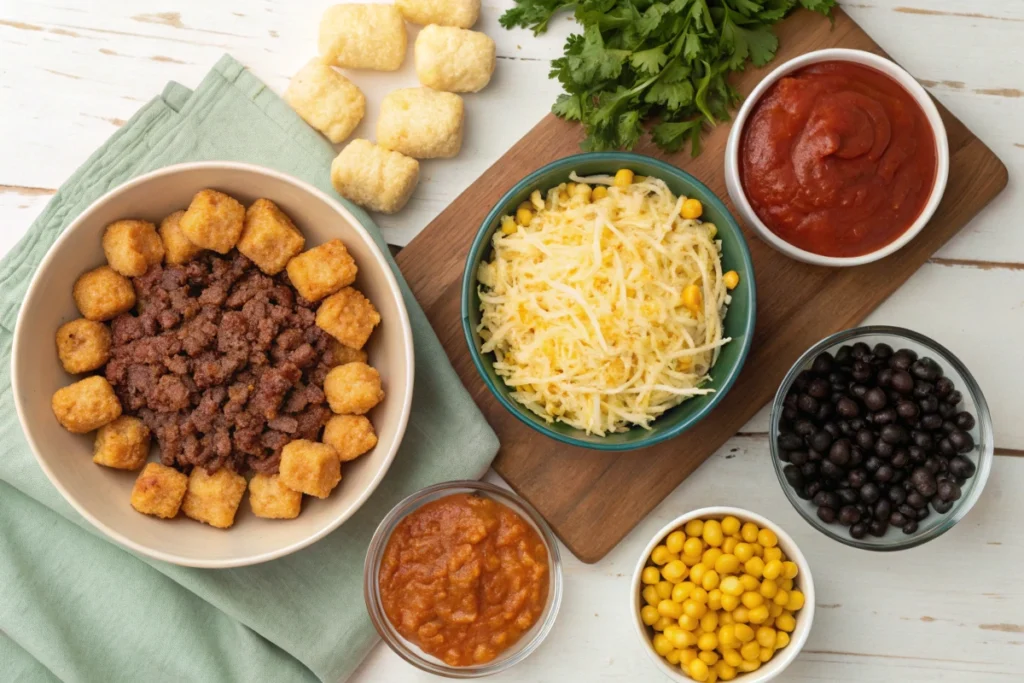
x=695, y=609
x=781, y=639
x=691, y=209
x=727, y=564
x=712, y=532
x=682, y=590
x=796, y=601
x=707, y=641
x=697, y=670
x=661, y=644
x=768, y=589
x=674, y=571
x=524, y=216
x=692, y=298
x=710, y=556
x=786, y=584
x=725, y=671
x=772, y=569
x=692, y=547
x=662, y=623
x=508, y=225
x=749, y=532
x=690, y=560
x=789, y=570
x=751, y=600
x=749, y=583
x=675, y=542
x=744, y=633
x=766, y=637
x=741, y=615
x=730, y=525
x=686, y=656
x=747, y=666
x=715, y=599
x=650, y=595
x=650, y=575
x=731, y=279
x=785, y=622
x=660, y=555
x=731, y=655
x=649, y=614
x=767, y=538
x=727, y=636
x=754, y=566
x=766, y=654
x=688, y=623
x=583, y=190
x=773, y=554
x=757, y=615
x=700, y=595
x=781, y=598
x=749, y=651
x=731, y=586
x=600, y=192
x=775, y=610
x=697, y=572
x=743, y=551
x=623, y=177
x=709, y=657
x=537, y=200
x=672, y=657
x=710, y=580
x=664, y=589
x=670, y=609
x=709, y=622
x=729, y=544
x=758, y=550
x=695, y=527
x=730, y=602
x=680, y=638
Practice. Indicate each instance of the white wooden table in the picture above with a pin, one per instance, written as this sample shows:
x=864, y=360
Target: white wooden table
x=72, y=71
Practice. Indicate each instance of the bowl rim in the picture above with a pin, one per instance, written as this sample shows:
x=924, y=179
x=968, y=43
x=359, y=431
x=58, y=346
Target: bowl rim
x=893, y=71
x=984, y=424
x=375, y=553
x=480, y=244
x=804, y=622
x=405, y=396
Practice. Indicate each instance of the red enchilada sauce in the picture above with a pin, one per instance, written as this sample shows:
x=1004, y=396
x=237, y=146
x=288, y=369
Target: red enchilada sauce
x=838, y=159
x=464, y=577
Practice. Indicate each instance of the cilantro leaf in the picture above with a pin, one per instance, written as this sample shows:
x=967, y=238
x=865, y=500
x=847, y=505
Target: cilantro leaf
x=568, y=107
x=822, y=6
x=533, y=15
x=671, y=136
x=649, y=61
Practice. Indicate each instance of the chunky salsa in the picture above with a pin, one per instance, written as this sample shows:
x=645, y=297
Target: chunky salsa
x=464, y=577
x=838, y=159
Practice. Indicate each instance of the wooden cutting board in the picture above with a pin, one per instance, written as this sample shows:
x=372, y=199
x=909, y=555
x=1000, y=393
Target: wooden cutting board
x=593, y=499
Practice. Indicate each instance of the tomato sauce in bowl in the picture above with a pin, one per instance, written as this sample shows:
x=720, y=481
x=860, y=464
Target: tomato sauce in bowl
x=838, y=159
x=464, y=577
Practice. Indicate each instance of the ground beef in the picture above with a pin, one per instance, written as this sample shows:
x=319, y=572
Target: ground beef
x=224, y=364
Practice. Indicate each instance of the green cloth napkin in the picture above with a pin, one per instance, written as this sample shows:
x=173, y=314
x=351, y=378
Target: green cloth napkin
x=76, y=607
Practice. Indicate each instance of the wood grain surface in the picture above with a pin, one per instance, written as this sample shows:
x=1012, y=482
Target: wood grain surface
x=593, y=499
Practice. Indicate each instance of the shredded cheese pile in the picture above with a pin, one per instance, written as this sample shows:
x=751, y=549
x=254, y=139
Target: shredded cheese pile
x=583, y=307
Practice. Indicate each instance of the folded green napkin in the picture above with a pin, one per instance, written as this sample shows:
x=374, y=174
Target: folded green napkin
x=75, y=607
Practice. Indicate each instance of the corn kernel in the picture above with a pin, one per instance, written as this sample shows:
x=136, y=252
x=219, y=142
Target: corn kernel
x=725, y=618
x=747, y=666
x=775, y=610
x=766, y=637
x=670, y=609
x=688, y=623
x=650, y=575
x=673, y=571
x=757, y=615
x=686, y=656
x=664, y=589
x=729, y=544
x=650, y=595
x=751, y=600
x=690, y=560
x=749, y=532
x=749, y=583
x=695, y=527
x=697, y=572
x=691, y=209
x=771, y=554
x=693, y=546
x=709, y=657
x=731, y=586
x=725, y=671
x=758, y=550
x=709, y=622
x=781, y=639
x=730, y=525
x=695, y=609
x=600, y=192
x=785, y=622
x=710, y=556
x=661, y=644
x=789, y=570
x=730, y=602
x=768, y=588
x=795, y=602
x=781, y=598
x=767, y=538
x=662, y=623
x=741, y=615
x=672, y=657
x=715, y=599
x=692, y=298
x=749, y=650
x=772, y=569
x=727, y=636
x=707, y=641
x=727, y=564
x=786, y=584
x=731, y=655
x=744, y=633
x=697, y=669
x=743, y=551
x=674, y=542
x=698, y=594
x=731, y=279
x=524, y=216
x=682, y=590
x=710, y=580
x=766, y=654
x=754, y=566
x=649, y=614
x=623, y=177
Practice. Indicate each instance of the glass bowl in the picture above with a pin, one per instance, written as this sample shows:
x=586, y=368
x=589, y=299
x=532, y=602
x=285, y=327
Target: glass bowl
x=935, y=524
x=739, y=323
x=411, y=652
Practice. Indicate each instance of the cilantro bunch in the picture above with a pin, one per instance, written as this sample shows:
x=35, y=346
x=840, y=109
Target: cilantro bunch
x=650, y=64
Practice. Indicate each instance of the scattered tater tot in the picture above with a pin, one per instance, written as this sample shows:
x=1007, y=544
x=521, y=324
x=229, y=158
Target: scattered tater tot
x=353, y=389
x=349, y=435
x=159, y=491
x=83, y=345
x=122, y=444
x=454, y=59
x=271, y=499
x=348, y=316
x=341, y=354
x=363, y=37
x=374, y=177
x=421, y=123
x=103, y=293
x=460, y=13
x=131, y=247
x=177, y=248
x=86, y=405
x=213, y=221
x=310, y=467
x=269, y=238
x=322, y=270
x=213, y=498
x=326, y=100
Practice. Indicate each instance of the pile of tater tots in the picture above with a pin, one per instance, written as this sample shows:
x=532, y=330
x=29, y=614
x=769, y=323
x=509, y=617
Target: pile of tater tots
x=414, y=123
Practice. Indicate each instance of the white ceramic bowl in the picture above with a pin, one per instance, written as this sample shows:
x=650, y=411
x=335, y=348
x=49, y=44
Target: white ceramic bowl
x=101, y=494
x=804, y=618
x=886, y=66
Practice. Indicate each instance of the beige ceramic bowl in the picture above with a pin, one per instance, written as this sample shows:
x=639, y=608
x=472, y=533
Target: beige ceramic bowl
x=101, y=494
x=804, y=618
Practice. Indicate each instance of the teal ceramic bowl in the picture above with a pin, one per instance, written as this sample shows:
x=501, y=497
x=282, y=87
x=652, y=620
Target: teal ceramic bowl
x=739, y=322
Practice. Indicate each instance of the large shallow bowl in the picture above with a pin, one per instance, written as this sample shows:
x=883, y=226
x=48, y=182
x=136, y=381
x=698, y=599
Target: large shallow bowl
x=739, y=323
x=934, y=525
x=889, y=68
x=101, y=494
x=411, y=652
x=804, y=582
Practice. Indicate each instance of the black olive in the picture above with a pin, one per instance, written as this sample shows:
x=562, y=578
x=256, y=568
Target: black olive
x=922, y=440
x=859, y=531
x=947, y=410
x=822, y=363
x=965, y=421
x=901, y=458
x=954, y=398
x=804, y=427
x=807, y=404
x=884, y=416
x=948, y=491
x=882, y=351
x=915, y=499
x=865, y=438
x=961, y=467
x=847, y=496
x=882, y=509
x=932, y=464
x=878, y=528
x=812, y=488
x=793, y=476
x=857, y=478
x=942, y=506
x=902, y=359
x=943, y=387
x=820, y=440
x=923, y=389
x=872, y=464
x=874, y=399
x=884, y=474
x=924, y=481
x=896, y=495
x=884, y=449
x=869, y=492
x=893, y=434
x=908, y=410
x=961, y=441
x=847, y=407
x=844, y=356
x=789, y=413
x=827, y=498
x=826, y=514
x=932, y=421
x=832, y=428
x=813, y=455
x=910, y=527
x=897, y=519
x=884, y=378
x=830, y=470
x=789, y=442
x=848, y=515
x=858, y=391
x=818, y=387
x=862, y=372
x=809, y=470
x=839, y=453
x=798, y=458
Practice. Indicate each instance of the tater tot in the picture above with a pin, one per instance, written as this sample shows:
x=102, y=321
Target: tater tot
x=83, y=345
x=326, y=100
x=349, y=435
x=353, y=389
x=421, y=123
x=458, y=13
x=86, y=405
x=103, y=293
x=348, y=316
x=376, y=178
x=177, y=248
x=269, y=238
x=131, y=246
x=363, y=37
x=454, y=59
x=213, y=221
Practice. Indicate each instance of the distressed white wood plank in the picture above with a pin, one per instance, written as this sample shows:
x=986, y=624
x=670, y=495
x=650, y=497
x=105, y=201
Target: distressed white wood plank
x=947, y=611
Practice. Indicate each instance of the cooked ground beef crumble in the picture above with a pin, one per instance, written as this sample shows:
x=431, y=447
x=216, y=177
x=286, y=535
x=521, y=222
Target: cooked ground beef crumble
x=224, y=364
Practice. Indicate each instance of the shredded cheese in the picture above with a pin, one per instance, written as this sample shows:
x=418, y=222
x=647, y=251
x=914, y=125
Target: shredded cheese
x=583, y=307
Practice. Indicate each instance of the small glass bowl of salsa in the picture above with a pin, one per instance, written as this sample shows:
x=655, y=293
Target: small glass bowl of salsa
x=463, y=579
x=837, y=158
